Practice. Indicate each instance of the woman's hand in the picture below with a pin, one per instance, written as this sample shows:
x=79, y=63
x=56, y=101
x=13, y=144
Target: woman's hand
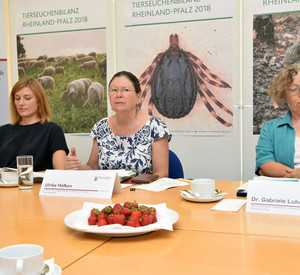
x=71, y=161
x=292, y=173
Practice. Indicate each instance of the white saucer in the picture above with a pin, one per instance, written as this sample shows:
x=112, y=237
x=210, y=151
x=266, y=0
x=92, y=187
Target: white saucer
x=57, y=270
x=209, y=199
x=8, y=184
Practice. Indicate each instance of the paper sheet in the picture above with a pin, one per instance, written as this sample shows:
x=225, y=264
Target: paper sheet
x=231, y=205
x=161, y=184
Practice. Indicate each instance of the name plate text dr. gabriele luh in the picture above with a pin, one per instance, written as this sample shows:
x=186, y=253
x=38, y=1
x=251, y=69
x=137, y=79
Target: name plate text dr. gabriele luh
x=89, y=184
x=274, y=197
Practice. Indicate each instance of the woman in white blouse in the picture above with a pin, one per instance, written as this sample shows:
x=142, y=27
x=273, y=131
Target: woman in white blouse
x=129, y=139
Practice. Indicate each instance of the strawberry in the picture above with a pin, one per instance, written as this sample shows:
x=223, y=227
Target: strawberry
x=143, y=208
x=108, y=210
x=117, y=207
x=110, y=219
x=137, y=213
x=128, y=204
x=92, y=220
x=145, y=220
x=126, y=211
x=102, y=222
x=133, y=221
x=120, y=219
x=101, y=216
x=95, y=212
x=153, y=218
x=135, y=204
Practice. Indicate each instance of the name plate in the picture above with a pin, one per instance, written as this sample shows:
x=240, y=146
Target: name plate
x=274, y=197
x=81, y=183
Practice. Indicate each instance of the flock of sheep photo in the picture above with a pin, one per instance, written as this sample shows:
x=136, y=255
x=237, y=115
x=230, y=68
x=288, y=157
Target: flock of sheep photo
x=75, y=87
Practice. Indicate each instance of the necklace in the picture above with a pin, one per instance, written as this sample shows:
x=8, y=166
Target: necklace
x=124, y=135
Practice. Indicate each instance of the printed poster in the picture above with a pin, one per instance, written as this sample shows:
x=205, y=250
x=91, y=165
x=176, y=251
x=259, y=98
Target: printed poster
x=4, y=109
x=183, y=56
x=276, y=44
x=63, y=45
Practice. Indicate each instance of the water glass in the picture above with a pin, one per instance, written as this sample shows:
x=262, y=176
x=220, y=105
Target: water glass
x=25, y=173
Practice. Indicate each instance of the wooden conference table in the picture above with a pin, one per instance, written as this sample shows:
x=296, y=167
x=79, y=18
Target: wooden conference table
x=203, y=241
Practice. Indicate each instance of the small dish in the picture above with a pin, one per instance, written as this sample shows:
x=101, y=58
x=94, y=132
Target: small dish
x=202, y=199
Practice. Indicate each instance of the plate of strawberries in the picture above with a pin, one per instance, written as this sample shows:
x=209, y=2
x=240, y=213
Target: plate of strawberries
x=122, y=220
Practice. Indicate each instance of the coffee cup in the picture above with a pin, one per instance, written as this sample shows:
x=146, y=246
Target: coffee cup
x=21, y=259
x=204, y=187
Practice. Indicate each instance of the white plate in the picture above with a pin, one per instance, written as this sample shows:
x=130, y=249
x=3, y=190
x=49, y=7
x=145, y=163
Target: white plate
x=210, y=199
x=71, y=218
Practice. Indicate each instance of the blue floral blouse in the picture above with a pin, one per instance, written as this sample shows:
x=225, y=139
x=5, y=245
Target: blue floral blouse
x=132, y=152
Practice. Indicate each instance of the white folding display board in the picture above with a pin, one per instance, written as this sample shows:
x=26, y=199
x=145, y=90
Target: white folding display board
x=4, y=116
x=223, y=157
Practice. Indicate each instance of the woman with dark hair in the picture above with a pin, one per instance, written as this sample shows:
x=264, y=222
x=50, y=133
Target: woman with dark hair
x=278, y=147
x=129, y=139
x=30, y=131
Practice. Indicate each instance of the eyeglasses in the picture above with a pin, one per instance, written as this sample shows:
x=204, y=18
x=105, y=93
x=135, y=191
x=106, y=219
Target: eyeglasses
x=293, y=90
x=123, y=90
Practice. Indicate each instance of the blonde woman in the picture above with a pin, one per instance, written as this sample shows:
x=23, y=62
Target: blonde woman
x=278, y=148
x=30, y=131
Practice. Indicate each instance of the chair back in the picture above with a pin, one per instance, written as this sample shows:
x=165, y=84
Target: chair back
x=175, y=166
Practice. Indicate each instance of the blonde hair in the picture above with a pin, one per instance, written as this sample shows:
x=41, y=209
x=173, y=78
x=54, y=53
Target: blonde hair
x=43, y=111
x=281, y=82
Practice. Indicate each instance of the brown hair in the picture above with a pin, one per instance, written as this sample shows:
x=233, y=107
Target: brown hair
x=43, y=111
x=281, y=82
x=133, y=79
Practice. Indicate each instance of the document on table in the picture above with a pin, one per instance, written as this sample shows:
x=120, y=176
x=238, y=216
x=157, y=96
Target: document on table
x=230, y=205
x=161, y=184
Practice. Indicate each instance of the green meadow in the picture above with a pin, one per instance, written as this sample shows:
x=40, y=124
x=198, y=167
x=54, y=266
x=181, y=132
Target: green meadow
x=72, y=116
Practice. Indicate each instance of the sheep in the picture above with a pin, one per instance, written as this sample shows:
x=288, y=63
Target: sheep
x=62, y=61
x=73, y=59
x=87, y=83
x=22, y=64
x=47, y=82
x=102, y=66
x=50, y=60
x=23, y=59
x=86, y=59
x=76, y=89
x=60, y=70
x=95, y=95
x=80, y=55
x=42, y=57
x=21, y=71
x=93, y=54
x=88, y=65
x=30, y=63
x=49, y=71
x=37, y=64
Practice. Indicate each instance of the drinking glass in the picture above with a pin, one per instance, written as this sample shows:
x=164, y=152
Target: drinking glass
x=25, y=173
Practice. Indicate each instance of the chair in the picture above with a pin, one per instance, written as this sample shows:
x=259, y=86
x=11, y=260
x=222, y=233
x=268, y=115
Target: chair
x=175, y=166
